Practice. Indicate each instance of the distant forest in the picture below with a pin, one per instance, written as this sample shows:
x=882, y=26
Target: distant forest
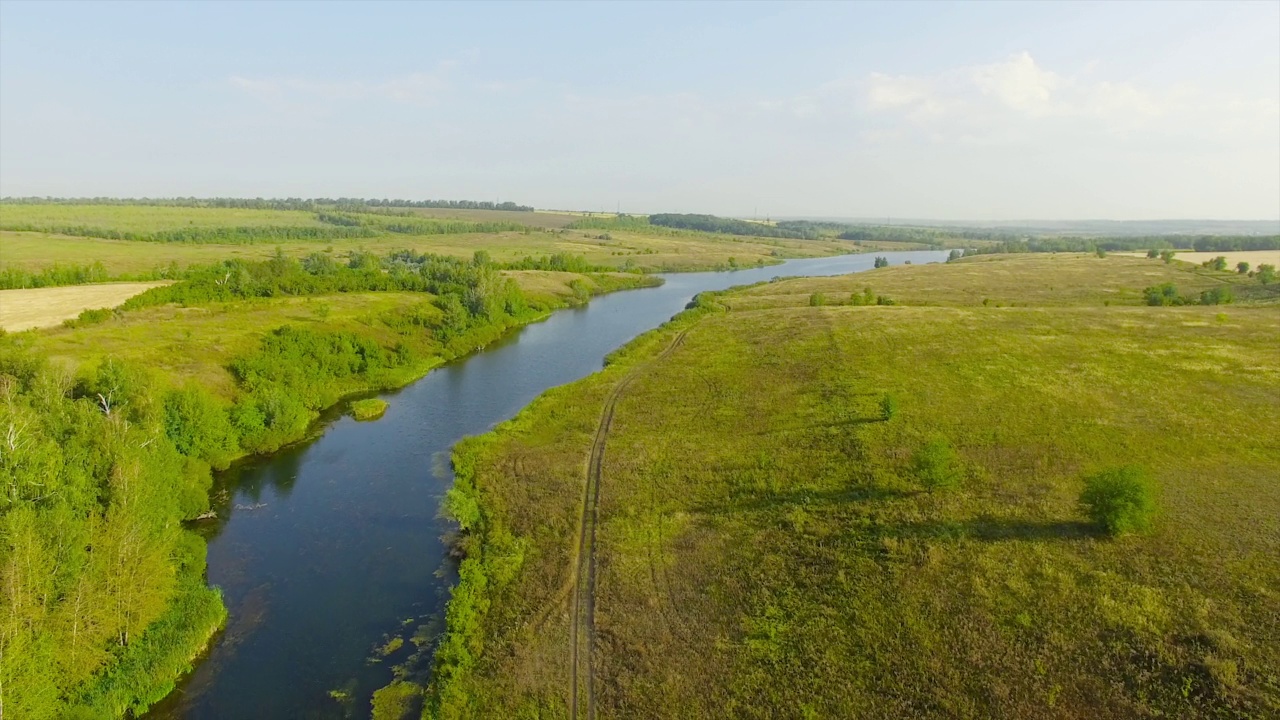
x=311, y=204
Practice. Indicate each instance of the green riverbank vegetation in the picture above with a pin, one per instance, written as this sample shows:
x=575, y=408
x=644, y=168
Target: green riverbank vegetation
x=111, y=425
x=368, y=409
x=1018, y=491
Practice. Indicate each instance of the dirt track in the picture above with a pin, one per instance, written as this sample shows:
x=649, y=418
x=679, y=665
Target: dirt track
x=582, y=628
x=48, y=307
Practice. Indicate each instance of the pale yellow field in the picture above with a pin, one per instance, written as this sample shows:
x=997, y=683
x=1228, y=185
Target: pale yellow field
x=48, y=307
x=1253, y=257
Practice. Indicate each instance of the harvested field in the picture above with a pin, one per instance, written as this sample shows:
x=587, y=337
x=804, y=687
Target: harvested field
x=1253, y=257
x=47, y=307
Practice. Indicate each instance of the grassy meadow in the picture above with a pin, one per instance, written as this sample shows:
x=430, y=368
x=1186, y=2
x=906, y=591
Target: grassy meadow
x=765, y=546
x=196, y=344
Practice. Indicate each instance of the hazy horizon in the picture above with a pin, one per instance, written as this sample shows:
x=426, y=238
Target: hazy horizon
x=974, y=113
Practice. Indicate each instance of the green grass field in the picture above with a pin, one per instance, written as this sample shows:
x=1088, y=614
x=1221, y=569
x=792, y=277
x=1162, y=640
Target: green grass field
x=666, y=251
x=149, y=218
x=196, y=344
x=764, y=547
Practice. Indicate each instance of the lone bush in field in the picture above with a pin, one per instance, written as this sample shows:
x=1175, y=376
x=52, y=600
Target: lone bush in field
x=937, y=466
x=1120, y=500
x=817, y=300
x=1220, y=295
x=888, y=407
x=1242, y=268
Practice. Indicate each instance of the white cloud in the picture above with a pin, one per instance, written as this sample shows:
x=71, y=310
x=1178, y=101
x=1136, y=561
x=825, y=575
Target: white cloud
x=1016, y=89
x=416, y=88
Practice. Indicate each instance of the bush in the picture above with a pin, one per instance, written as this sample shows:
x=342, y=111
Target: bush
x=1266, y=274
x=865, y=298
x=817, y=300
x=1218, y=263
x=937, y=466
x=888, y=407
x=1100, y=252
x=1163, y=294
x=1152, y=254
x=881, y=262
x=1120, y=500
x=1167, y=255
x=368, y=409
x=1217, y=296
x=1242, y=267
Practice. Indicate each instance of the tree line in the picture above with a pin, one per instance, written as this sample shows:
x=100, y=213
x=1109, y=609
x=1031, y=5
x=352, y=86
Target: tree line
x=310, y=204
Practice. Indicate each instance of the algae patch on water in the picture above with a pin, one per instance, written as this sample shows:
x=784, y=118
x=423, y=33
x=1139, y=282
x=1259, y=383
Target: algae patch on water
x=368, y=409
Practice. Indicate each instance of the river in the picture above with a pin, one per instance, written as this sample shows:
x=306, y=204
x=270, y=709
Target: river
x=327, y=548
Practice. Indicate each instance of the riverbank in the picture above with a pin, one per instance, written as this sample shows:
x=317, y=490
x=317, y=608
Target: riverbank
x=107, y=388
x=330, y=550
x=763, y=536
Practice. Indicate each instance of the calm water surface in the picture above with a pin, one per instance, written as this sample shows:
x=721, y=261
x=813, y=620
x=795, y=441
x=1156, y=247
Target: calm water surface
x=329, y=547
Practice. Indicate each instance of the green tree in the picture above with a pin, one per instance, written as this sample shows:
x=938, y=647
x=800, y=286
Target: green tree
x=881, y=262
x=1242, y=267
x=1167, y=256
x=199, y=427
x=1153, y=253
x=1120, y=500
x=955, y=255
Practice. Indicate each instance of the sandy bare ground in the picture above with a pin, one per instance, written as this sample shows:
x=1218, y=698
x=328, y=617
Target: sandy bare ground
x=1253, y=257
x=48, y=307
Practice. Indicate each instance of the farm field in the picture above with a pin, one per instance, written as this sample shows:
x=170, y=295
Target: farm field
x=730, y=518
x=47, y=307
x=1253, y=257
x=37, y=237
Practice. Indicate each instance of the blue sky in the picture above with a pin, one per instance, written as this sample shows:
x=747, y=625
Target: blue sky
x=948, y=111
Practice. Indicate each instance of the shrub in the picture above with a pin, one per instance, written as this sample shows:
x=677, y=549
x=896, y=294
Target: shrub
x=1120, y=500
x=955, y=255
x=881, y=262
x=1163, y=294
x=1100, y=252
x=1152, y=254
x=817, y=300
x=1242, y=267
x=937, y=466
x=888, y=407
x=199, y=427
x=1266, y=274
x=368, y=409
x=1217, y=296
x=1218, y=263
x=1167, y=255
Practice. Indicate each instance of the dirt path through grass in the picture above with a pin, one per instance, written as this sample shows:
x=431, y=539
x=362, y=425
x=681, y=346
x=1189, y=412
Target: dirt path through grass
x=582, y=627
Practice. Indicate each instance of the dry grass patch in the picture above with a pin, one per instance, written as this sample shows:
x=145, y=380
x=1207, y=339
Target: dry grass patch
x=48, y=307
